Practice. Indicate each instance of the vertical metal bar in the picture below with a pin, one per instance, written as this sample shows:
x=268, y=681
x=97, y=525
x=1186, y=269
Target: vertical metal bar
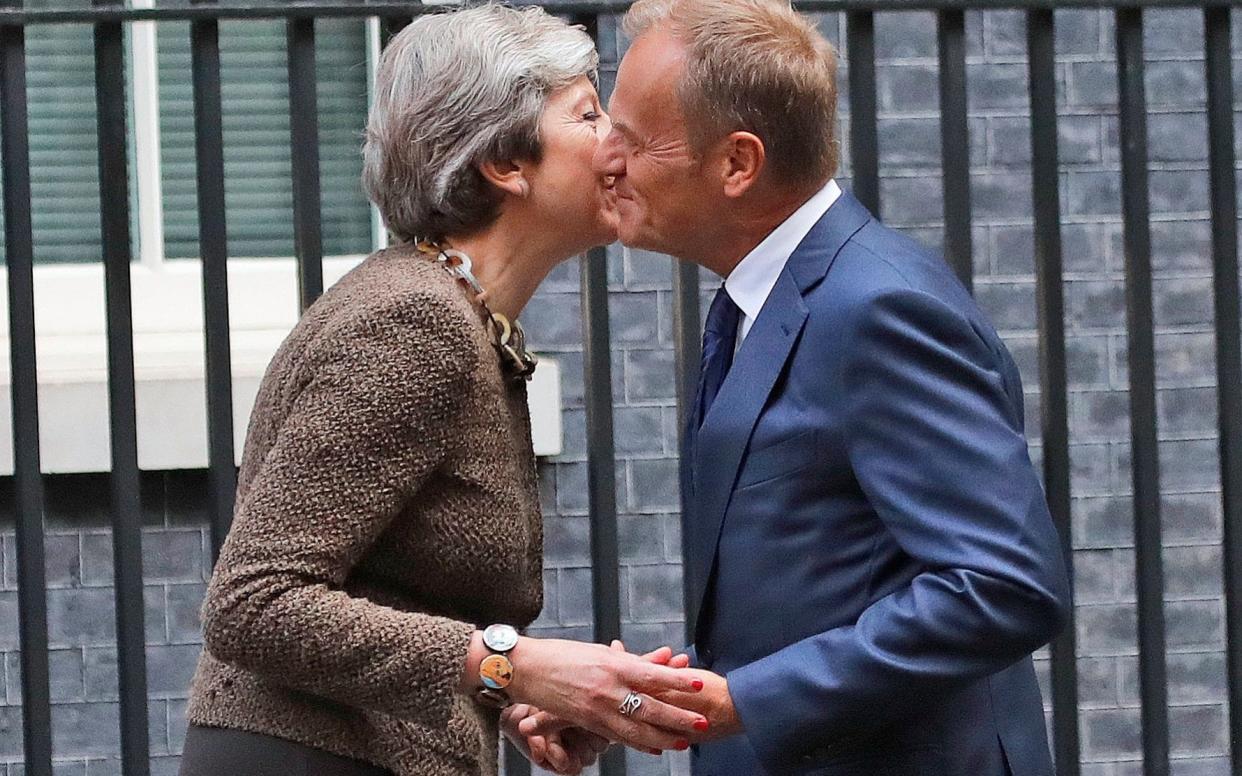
x=27, y=480
x=601, y=465
x=391, y=25
x=1144, y=453
x=687, y=345
x=304, y=141
x=864, y=140
x=126, y=505
x=955, y=143
x=1224, y=196
x=516, y=763
x=213, y=248
x=601, y=450
x=1054, y=404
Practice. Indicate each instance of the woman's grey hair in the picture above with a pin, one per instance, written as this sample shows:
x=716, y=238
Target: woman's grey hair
x=454, y=90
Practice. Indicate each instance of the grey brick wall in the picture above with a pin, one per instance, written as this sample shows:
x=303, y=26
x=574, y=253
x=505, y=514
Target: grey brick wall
x=79, y=550
x=81, y=619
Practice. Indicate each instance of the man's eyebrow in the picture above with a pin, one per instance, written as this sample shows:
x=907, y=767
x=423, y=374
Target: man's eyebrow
x=624, y=129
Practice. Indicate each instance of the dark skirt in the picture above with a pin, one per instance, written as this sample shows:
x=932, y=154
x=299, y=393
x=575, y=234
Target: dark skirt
x=218, y=751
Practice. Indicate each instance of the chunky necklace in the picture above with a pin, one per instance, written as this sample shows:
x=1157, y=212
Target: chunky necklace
x=510, y=337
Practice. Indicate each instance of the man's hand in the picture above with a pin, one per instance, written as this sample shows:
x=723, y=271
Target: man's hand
x=714, y=702
x=664, y=656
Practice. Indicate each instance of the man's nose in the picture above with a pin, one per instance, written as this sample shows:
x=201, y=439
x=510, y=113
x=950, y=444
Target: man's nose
x=608, y=159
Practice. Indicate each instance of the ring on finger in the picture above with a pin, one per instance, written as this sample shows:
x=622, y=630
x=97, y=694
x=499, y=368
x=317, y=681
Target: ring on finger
x=631, y=703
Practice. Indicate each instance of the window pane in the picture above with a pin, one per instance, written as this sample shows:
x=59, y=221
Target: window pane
x=258, y=188
x=64, y=174
x=64, y=171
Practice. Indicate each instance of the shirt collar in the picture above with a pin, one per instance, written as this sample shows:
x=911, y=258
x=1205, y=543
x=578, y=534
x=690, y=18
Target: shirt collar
x=750, y=282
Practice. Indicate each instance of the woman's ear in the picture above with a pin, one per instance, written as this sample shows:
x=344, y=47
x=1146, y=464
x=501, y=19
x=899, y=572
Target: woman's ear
x=506, y=175
x=742, y=160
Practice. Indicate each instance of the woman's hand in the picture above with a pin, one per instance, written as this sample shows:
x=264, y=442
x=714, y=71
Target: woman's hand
x=714, y=702
x=584, y=685
x=564, y=752
x=539, y=723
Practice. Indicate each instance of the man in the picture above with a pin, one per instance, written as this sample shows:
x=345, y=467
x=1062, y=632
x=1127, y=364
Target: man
x=869, y=543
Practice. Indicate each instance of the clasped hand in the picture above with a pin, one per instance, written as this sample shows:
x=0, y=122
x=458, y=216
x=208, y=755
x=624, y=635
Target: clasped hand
x=569, y=720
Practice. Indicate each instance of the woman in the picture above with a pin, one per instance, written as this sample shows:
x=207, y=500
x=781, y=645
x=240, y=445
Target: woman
x=387, y=508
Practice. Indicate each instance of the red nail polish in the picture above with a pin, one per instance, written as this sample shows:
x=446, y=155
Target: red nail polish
x=682, y=745
x=697, y=684
x=656, y=752
x=700, y=725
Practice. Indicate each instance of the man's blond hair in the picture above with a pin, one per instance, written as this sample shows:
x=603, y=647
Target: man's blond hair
x=757, y=66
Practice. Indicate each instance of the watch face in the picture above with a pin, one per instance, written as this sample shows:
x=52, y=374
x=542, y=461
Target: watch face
x=500, y=638
x=496, y=672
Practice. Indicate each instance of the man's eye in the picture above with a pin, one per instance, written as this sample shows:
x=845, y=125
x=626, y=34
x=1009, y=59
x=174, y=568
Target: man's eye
x=590, y=116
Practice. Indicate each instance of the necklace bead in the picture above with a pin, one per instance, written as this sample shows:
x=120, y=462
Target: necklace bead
x=510, y=343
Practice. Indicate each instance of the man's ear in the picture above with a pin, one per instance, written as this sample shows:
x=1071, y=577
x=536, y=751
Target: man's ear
x=507, y=175
x=742, y=157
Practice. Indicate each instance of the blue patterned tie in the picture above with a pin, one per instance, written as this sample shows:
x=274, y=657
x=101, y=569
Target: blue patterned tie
x=719, y=338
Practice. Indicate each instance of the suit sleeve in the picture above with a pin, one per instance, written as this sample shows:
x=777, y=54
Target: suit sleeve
x=370, y=427
x=936, y=446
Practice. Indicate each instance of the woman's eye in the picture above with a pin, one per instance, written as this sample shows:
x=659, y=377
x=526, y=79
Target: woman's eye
x=590, y=116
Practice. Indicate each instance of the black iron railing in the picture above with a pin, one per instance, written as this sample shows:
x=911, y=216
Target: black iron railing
x=109, y=21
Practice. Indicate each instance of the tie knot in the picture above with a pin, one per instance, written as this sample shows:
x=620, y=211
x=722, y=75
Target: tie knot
x=723, y=315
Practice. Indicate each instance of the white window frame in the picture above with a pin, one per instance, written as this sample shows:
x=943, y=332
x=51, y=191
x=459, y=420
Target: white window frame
x=146, y=102
x=70, y=326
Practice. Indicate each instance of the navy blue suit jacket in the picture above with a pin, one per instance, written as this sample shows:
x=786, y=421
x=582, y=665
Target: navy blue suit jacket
x=869, y=544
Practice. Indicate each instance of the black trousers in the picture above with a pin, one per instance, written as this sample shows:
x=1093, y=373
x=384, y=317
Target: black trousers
x=220, y=752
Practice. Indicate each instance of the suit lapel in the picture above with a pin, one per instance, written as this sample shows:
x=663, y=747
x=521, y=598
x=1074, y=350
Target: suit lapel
x=718, y=446
x=726, y=429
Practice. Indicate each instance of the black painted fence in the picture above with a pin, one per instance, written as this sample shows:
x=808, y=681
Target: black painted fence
x=109, y=21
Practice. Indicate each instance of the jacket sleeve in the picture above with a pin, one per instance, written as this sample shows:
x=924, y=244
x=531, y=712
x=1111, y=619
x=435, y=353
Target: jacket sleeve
x=936, y=445
x=372, y=424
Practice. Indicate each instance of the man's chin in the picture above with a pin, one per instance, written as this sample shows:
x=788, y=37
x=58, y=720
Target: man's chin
x=638, y=238
x=634, y=231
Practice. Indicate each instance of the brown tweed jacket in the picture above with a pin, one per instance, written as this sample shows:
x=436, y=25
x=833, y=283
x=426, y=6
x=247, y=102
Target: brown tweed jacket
x=386, y=505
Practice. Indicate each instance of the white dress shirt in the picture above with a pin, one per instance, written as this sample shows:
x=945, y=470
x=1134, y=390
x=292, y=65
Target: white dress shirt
x=751, y=281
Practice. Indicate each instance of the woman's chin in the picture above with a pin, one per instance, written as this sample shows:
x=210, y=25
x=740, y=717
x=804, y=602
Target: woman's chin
x=589, y=229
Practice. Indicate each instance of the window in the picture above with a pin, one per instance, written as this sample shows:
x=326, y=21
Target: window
x=258, y=191
x=64, y=172
x=63, y=158
x=166, y=276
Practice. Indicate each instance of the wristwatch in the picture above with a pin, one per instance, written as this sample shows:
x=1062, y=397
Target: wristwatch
x=496, y=670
